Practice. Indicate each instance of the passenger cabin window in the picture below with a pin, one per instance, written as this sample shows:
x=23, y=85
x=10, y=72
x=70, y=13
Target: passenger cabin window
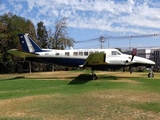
x=85, y=53
x=115, y=53
x=66, y=53
x=75, y=53
x=80, y=53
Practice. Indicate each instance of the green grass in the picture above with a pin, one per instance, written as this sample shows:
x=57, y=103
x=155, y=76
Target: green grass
x=111, y=97
x=148, y=106
x=28, y=87
x=25, y=87
x=148, y=84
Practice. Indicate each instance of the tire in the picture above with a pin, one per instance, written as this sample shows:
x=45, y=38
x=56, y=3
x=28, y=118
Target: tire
x=150, y=75
x=94, y=77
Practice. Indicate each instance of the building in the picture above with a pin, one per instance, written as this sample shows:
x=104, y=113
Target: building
x=146, y=53
x=155, y=56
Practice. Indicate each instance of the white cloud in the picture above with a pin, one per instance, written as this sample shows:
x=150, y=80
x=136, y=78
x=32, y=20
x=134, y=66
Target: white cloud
x=2, y=8
x=139, y=16
x=18, y=8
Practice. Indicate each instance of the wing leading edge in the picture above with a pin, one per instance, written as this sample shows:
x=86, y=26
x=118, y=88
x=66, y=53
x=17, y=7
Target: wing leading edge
x=95, y=59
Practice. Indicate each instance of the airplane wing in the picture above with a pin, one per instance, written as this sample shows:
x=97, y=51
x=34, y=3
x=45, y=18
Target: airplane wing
x=21, y=53
x=95, y=59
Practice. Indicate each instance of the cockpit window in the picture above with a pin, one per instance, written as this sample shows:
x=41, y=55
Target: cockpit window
x=116, y=53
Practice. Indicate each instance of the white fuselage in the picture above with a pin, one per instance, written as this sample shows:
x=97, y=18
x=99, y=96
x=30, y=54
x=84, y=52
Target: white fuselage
x=78, y=57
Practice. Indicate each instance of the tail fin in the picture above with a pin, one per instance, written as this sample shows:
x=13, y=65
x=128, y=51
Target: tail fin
x=28, y=44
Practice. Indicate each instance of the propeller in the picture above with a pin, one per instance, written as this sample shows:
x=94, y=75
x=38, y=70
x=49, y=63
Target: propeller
x=134, y=52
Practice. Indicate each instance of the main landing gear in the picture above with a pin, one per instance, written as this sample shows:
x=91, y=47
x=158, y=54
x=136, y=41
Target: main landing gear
x=94, y=76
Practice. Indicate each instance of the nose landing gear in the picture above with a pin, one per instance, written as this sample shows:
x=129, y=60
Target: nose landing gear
x=130, y=69
x=150, y=74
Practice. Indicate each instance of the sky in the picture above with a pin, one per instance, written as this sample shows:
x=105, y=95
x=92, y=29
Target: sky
x=90, y=19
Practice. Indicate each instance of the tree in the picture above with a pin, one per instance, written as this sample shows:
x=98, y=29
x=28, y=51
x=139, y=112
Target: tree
x=50, y=39
x=10, y=26
x=42, y=34
x=61, y=39
x=3, y=37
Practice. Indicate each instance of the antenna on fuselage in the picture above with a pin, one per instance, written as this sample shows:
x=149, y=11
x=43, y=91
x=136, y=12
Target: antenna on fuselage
x=71, y=48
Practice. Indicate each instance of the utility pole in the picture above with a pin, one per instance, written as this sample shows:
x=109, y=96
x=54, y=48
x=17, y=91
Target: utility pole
x=102, y=40
x=108, y=42
x=130, y=44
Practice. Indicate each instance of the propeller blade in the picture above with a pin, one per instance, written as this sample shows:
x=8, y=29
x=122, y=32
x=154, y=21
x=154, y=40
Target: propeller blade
x=132, y=57
x=134, y=52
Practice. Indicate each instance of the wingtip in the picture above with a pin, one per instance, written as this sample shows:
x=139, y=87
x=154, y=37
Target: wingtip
x=12, y=50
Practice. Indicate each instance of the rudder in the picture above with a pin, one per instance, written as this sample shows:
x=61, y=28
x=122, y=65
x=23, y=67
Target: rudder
x=28, y=45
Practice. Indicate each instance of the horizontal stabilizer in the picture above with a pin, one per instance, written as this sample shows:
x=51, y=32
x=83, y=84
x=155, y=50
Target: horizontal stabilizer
x=95, y=59
x=21, y=54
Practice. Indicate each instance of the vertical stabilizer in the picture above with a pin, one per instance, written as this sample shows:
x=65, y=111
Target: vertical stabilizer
x=28, y=45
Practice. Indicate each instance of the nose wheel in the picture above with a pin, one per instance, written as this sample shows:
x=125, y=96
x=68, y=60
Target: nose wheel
x=130, y=69
x=150, y=74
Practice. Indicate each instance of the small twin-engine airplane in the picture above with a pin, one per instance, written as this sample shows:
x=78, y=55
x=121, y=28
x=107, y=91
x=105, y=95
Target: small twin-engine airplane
x=97, y=59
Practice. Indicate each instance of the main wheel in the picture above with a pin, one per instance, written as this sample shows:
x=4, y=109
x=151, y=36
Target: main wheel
x=94, y=77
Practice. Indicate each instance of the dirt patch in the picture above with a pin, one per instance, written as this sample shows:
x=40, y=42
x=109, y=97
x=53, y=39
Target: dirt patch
x=108, y=104
x=19, y=107
x=129, y=96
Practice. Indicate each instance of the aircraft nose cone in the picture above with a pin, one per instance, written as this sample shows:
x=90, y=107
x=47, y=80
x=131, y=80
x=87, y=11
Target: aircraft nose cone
x=152, y=62
x=149, y=62
x=144, y=61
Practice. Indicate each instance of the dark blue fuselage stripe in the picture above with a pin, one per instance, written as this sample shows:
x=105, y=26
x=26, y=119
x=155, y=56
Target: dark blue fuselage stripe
x=72, y=62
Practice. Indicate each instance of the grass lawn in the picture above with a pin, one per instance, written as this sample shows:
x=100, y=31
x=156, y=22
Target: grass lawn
x=73, y=95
